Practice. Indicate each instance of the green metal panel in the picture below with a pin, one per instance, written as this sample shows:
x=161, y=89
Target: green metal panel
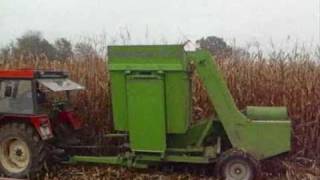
x=155, y=57
x=193, y=137
x=116, y=160
x=146, y=113
x=169, y=59
x=262, y=139
x=178, y=102
x=141, y=160
x=176, y=158
x=269, y=113
x=119, y=100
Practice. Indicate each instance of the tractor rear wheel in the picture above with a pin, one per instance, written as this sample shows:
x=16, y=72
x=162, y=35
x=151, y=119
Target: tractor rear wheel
x=237, y=165
x=22, y=151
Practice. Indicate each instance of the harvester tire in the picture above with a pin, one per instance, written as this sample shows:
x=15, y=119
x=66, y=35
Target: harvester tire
x=22, y=152
x=237, y=165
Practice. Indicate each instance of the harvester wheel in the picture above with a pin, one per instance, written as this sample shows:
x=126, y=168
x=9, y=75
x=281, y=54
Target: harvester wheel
x=22, y=151
x=237, y=165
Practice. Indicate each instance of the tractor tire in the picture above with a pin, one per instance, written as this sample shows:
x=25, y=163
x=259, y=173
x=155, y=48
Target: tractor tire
x=22, y=152
x=237, y=165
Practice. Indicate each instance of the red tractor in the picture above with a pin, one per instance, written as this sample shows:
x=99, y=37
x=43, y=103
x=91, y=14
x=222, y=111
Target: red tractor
x=30, y=117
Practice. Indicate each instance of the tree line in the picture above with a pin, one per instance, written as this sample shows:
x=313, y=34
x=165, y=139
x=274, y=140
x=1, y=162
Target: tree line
x=33, y=44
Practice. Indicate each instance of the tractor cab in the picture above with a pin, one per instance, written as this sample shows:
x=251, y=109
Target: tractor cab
x=25, y=91
x=52, y=96
x=56, y=89
x=40, y=92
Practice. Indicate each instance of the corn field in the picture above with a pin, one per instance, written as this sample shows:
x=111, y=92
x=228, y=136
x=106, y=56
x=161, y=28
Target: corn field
x=291, y=80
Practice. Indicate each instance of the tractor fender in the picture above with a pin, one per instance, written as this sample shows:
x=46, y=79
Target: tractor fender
x=40, y=122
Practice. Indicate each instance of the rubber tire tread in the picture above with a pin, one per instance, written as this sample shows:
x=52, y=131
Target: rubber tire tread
x=36, y=146
x=235, y=154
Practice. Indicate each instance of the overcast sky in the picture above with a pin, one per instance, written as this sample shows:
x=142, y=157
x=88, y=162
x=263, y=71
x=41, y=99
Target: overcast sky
x=151, y=21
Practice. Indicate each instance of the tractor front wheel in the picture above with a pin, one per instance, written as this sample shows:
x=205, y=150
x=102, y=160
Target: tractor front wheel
x=237, y=165
x=21, y=150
